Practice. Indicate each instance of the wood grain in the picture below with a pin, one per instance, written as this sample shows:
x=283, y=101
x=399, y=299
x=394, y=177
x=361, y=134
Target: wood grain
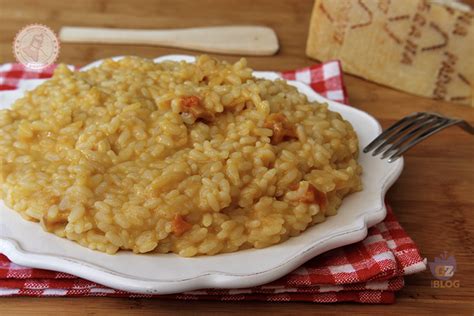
x=433, y=199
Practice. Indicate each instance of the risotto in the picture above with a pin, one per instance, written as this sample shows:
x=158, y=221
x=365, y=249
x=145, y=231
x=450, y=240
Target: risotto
x=191, y=158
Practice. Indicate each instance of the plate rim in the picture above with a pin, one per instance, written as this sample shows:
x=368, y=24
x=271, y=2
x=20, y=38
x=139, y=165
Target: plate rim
x=208, y=279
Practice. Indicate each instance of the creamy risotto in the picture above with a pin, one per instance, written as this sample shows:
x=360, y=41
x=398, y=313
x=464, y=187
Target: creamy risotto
x=190, y=158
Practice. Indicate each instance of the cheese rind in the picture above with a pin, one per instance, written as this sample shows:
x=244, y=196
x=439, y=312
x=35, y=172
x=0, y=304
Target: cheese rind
x=412, y=45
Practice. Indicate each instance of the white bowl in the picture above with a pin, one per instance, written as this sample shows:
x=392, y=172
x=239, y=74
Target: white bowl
x=27, y=244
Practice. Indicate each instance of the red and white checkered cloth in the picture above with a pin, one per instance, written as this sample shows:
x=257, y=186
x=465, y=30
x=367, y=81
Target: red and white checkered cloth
x=370, y=271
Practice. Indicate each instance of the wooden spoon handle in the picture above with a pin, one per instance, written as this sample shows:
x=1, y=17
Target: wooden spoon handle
x=243, y=40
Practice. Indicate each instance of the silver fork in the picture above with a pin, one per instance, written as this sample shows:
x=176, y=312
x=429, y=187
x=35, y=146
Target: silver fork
x=409, y=131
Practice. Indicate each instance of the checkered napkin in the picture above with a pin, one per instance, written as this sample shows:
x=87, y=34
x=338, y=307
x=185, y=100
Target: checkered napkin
x=370, y=271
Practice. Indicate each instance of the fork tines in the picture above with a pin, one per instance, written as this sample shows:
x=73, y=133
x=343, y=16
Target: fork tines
x=406, y=133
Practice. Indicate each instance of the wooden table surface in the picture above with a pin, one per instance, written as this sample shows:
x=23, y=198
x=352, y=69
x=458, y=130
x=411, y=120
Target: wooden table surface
x=433, y=198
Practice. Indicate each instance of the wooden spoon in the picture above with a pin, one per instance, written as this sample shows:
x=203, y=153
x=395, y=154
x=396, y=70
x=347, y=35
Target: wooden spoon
x=237, y=40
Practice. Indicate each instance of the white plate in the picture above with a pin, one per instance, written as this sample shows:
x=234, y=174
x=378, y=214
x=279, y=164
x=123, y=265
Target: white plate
x=27, y=244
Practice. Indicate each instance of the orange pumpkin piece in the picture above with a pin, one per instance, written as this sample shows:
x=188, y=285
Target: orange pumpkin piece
x=191, y=101
x=312, y=195
x=282, y=129
x=180, y=226
x=54, y=200
x=192, y=105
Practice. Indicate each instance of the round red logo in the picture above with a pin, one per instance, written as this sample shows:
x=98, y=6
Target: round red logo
x=36, y=46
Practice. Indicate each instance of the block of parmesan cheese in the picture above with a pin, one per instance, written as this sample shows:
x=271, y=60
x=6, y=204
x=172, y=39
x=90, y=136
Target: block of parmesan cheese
x=418, y=46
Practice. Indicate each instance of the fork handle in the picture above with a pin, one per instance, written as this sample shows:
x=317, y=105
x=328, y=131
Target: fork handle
x=466, y=126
